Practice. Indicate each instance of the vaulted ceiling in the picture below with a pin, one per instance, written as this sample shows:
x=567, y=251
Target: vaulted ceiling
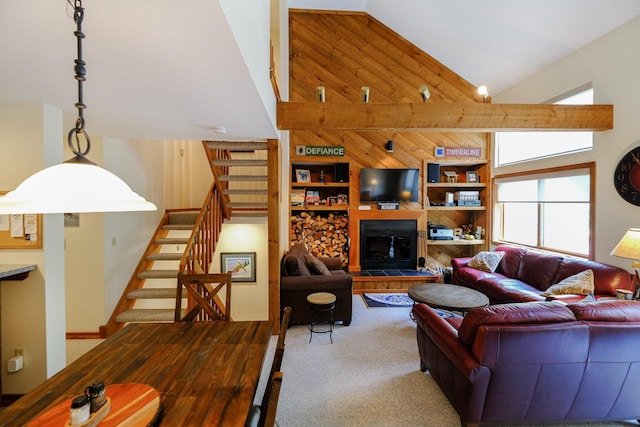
x=161, y=69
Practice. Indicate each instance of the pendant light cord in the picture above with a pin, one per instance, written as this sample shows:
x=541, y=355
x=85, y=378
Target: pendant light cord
x=74, y=137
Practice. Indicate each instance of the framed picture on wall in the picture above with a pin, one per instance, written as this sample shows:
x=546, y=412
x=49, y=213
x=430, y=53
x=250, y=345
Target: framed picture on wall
x=241, y=265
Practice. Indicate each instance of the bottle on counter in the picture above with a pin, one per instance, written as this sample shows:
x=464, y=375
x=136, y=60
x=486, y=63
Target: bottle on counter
x=96, y=394
x=80, y=410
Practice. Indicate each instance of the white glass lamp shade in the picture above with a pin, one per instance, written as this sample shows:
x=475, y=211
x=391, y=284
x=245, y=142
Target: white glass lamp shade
x=629, y=245
x=74, y=186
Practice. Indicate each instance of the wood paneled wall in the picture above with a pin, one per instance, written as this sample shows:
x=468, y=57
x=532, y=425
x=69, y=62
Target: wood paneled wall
x=344, y=51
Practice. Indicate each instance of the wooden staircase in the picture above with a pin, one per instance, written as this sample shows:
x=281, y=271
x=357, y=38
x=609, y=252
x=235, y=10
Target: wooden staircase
x=172, y=281
x=241, y=169
x=151, y=292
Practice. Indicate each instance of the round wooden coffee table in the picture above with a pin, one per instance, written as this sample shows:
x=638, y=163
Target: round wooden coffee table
x=448, y=297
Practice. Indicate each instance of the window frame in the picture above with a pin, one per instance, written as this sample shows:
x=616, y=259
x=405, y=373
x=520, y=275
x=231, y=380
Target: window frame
x=541, y=174
x=497, y=163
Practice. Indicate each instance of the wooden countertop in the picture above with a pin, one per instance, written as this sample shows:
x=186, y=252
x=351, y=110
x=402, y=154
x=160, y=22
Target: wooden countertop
x=206, y=372
x=15, y=271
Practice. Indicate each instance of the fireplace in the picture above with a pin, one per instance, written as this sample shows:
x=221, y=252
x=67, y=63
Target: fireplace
x=388, y=244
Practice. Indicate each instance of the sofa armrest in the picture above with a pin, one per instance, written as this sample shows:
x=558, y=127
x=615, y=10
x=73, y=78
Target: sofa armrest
x=460, y=262
x=445, y=337
x=332, y=263
x=319, y=283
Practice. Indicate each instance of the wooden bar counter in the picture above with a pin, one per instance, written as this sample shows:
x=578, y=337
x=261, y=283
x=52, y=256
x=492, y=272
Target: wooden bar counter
x=206, y=372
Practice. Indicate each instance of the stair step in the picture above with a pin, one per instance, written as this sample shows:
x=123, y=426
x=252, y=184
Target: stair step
x=178, y=227
x=242, y=177
x=232, y=191
x=183, y=218
x=146, y=315
x=249, y=214
x=155, y=293
x=165, y=256
x=237, y=146
x=248, y=205
x=158, y=274
x=171, y=241
x=239, y=162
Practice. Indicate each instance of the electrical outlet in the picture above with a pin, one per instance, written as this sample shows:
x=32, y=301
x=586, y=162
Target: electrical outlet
x=19, y=352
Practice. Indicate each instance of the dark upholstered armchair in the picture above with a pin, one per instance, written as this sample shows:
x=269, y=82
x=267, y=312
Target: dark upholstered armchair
x=301, y=275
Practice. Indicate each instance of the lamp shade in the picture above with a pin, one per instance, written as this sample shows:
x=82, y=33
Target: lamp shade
x=74, y=186
x=629, y=245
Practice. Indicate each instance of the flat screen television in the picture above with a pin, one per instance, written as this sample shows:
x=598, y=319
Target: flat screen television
x=389, y=185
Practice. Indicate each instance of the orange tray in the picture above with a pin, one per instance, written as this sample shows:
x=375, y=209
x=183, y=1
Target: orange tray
x=131, y=405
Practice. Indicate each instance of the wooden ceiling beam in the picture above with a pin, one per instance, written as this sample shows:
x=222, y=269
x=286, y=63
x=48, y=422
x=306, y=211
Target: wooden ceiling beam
x=442, y=117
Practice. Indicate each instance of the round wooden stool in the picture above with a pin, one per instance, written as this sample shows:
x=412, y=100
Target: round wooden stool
x=321, y=305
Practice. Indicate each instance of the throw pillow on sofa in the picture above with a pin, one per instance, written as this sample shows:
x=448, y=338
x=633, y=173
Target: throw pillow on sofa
x=578, y=284
x=316, y=266
x=486, y=261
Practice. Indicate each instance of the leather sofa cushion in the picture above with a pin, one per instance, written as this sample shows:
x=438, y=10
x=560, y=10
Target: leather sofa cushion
x=511, y=260
x=606, y=278
x=514, y=313
x=539, y=269
x=607, y=311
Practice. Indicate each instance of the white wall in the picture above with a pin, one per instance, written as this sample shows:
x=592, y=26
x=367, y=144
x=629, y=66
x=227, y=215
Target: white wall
x=33, y=310
x=250, y=25
x=84, y=262
x=126, y=234
x=611, y=63
x=188, y=174
x=249, y=300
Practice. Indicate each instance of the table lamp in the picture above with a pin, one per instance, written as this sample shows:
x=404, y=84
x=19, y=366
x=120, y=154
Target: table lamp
x=629, y=247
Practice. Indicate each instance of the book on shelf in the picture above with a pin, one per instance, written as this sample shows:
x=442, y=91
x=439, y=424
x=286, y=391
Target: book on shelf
x=297, y=197
x=313, y=197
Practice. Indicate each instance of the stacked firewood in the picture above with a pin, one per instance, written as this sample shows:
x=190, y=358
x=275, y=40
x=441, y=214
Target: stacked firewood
x=324, y=235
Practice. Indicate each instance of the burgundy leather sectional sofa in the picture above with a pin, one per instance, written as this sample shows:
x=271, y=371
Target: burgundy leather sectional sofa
x=524, y=274
x=536, y=362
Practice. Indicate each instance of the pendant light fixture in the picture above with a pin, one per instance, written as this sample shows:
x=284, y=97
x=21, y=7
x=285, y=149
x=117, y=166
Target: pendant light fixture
x=77, y=185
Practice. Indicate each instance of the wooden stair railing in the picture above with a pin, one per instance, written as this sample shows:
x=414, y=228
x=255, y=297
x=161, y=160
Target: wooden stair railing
x=196, y=258
x=203, y=302
x=198, y=254
x=221, y=185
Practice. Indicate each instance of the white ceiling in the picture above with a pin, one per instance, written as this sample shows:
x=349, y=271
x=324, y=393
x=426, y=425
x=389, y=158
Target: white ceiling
x=162, y=69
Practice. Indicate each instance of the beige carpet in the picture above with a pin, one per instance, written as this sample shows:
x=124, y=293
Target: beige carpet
x=369, y=376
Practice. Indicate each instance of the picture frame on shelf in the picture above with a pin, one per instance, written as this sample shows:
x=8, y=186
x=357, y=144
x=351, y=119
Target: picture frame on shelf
x=303, y=175
x=241, y=265
x=472, y=176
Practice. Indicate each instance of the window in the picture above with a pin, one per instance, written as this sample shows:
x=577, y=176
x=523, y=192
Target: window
x=547, y=209
x=514, y=147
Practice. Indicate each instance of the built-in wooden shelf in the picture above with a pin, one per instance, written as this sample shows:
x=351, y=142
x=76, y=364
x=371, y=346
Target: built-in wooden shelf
x=458, y=242
x=320, y=208
x=319, y=184
x=457, y=184
x=456, y=208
